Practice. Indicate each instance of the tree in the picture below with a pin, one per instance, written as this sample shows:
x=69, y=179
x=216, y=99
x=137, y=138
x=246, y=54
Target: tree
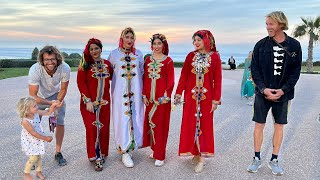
x=65, y=55
x=311, y=28
x=74, y=56
x=35, y=52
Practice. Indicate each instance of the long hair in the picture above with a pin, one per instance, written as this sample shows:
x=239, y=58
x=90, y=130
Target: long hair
x=50, y=50
x=87, y=59
x=123, y=35
x=163, y=39
x=279, y=17
x=24, y=105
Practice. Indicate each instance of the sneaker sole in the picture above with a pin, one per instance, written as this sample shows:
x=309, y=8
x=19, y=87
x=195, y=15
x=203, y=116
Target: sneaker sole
x=278, y=174
x=251, y=171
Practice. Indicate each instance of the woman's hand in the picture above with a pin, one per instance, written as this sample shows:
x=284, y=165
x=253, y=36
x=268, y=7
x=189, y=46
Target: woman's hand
x=177, y=99
x=89, y=107
x=214, y=107
x=164, y=101
x=145, y=101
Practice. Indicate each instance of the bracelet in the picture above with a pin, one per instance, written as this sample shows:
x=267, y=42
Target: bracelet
x=144, y=96
x=85, y=99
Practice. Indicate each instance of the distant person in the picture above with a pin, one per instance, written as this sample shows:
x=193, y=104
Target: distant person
x=200, y=80
x=158, y=82
x=93, y=79
x=247, y=87
x=32, y=134
x=275, y=69
x=48, y=82
x=232, y=63
x=126, y=92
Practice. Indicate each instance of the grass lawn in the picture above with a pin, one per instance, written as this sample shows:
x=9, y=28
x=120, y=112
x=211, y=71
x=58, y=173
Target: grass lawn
x=315, y=68
x=16, y=72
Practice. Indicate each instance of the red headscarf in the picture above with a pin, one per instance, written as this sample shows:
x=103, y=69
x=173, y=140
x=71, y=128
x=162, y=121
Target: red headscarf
x=163, y=39
x=86, y=57
x=208, y=39
x=123, y=34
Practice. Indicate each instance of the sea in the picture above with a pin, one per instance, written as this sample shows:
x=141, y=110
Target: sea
x=25, y=53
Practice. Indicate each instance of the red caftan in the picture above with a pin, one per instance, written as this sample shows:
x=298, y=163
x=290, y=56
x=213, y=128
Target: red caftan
x=197, y=137
x=158, y=82
x=90, y=82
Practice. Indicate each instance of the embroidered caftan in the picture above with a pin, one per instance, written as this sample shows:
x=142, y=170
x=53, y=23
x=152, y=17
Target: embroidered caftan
x=127, y=105
x=200, y=81
x=158, y=82
x=91, y=82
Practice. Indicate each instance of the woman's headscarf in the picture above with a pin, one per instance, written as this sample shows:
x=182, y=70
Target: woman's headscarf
x=208, y=39
x=163, y=39
x=123, y=34
x=86, y=57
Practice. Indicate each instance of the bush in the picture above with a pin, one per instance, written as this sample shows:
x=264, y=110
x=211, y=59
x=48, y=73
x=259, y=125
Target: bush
x=65, y=55
x=317, y=63
x=178, y=64
x=8, y=63
x=241, y=65
x=72, y=62
x=74, y=56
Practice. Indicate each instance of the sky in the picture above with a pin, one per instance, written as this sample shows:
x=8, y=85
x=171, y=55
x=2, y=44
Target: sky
x=236, y=24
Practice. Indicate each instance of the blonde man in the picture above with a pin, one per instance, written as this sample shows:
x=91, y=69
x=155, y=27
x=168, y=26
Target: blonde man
x=275, y=69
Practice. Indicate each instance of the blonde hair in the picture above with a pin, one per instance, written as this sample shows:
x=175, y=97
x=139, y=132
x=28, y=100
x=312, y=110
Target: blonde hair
x=24, y=105
x=279, y=17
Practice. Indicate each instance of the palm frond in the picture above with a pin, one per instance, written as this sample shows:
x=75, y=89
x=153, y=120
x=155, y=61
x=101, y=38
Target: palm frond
x=317, y=22
x=304, y=20
x=300, y=30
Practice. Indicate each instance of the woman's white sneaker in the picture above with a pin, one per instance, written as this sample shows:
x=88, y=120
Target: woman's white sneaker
x=159, y=163
x=127, y=161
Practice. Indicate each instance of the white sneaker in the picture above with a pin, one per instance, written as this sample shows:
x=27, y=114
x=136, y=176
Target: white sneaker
x=127, y=161
x=159, y=163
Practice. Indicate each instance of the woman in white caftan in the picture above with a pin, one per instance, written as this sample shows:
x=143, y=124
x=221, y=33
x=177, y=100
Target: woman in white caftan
x=126, y=90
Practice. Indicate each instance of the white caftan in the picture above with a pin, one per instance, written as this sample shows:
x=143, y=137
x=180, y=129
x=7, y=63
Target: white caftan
x=128, y=134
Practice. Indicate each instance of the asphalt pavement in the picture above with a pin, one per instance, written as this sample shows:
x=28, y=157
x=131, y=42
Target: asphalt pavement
x=299, y=154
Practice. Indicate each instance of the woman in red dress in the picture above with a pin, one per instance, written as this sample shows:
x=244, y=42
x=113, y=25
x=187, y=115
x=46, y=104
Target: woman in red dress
x=200, y=80
x=158, y=82
x=94, y=75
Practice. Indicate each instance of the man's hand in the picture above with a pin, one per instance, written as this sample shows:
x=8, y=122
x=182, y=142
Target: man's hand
x=278, y=93
x=272, y=94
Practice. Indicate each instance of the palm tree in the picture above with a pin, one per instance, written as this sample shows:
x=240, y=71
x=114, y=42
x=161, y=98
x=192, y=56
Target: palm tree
x=310, y=27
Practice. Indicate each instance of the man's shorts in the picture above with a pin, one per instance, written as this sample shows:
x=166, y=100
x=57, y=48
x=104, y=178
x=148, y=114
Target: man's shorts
x=61, y=110
x=262, y=106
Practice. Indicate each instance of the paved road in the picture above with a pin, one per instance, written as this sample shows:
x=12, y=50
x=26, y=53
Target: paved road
x=233, y=135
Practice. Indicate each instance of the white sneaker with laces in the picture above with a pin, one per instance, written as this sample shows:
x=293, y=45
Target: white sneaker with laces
x=127, y=161
x=159, y=163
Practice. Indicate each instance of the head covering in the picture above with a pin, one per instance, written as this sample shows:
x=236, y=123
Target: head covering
x=208, y=39
x=86, y=57
x=123, y=34
x=163, y=39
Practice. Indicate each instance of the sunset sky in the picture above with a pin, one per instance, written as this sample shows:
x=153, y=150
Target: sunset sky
x=236, y=24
